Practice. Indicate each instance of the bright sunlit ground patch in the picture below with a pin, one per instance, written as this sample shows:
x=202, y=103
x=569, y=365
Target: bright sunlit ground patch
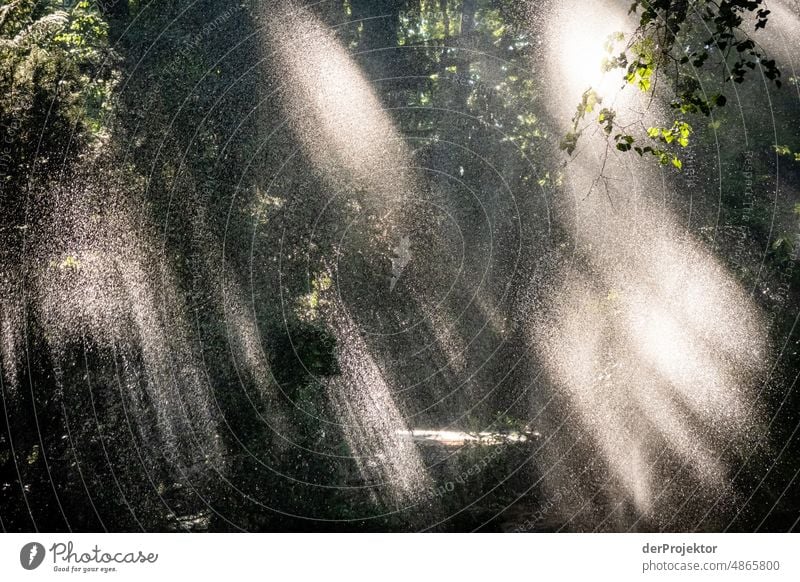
x=456, y=438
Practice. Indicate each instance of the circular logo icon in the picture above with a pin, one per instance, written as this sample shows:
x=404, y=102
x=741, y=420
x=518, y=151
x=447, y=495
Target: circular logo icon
x=31, y=555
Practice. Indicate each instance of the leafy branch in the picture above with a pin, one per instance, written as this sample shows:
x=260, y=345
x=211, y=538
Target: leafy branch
x=663, y=42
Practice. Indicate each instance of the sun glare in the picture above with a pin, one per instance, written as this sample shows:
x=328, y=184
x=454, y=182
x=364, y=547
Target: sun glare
x=580, y=47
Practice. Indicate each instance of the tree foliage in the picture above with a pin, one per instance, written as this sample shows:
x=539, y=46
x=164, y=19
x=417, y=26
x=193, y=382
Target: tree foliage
x=52, y=84
x=684, y=42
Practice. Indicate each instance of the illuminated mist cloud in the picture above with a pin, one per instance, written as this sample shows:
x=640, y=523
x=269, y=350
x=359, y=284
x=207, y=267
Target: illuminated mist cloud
x=247, y=350
x=370, y=420
x=100, y=284
x=333, y=109
x=652, y=350
x=352, y=143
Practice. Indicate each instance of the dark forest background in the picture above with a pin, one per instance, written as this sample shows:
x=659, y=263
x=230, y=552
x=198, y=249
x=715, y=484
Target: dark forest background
x=152, y=232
